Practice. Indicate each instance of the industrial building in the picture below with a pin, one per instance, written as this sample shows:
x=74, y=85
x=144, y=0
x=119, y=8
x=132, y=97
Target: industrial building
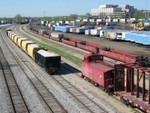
x=113, y=11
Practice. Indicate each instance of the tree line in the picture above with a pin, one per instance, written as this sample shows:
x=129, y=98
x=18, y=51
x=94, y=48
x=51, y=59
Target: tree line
x=21, y=19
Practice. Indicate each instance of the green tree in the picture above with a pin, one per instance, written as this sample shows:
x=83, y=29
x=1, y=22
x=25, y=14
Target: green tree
x=18, y=18
x=139, y=14
x=73, y=16
x=122, y=15
x=88, y=14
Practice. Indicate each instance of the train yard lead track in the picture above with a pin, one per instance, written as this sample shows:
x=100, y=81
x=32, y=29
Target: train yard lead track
x=17, y=102
x=46, y=95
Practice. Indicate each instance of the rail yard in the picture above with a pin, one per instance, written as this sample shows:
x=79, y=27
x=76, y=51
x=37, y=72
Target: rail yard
x=28, y=87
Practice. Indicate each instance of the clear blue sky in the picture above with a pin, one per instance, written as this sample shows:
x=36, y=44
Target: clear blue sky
x=9, y=8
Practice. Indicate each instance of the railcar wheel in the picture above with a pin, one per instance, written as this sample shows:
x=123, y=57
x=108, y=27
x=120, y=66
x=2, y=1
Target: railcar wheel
x=89, y=80
x=81, y=76
x=84, y=78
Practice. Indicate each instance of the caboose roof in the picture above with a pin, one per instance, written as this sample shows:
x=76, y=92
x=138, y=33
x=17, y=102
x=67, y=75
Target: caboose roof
x=101, y=65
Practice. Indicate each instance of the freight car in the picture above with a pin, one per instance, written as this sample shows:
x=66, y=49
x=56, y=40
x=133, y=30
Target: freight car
x=48, y=60
x=119, y=79
x=94, y=68
x=111, y=53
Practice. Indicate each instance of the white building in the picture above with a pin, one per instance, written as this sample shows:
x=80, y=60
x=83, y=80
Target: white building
x=112, y=10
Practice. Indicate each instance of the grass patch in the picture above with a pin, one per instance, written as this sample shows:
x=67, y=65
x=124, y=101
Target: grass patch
x=46, y=45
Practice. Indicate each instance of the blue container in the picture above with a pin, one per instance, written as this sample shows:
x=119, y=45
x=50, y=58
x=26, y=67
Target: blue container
x=80, y=30
x=141, y=37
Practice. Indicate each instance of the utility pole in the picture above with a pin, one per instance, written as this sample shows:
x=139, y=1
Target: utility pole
x=44, y=15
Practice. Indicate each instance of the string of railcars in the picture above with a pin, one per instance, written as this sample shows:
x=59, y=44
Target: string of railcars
x=120, y=79
x=124, y=80
x=139, y=37
x=48, y=60
x=104, y=29
x=108, y=52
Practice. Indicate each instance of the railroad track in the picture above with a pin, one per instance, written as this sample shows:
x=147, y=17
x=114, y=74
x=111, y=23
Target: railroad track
x=81, y=99
x=18, y=104
x=74, y=50
x=52, y=103
x=68, y=86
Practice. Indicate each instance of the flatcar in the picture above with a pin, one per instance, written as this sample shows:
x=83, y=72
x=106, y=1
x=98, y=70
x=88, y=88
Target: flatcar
x=124, y=80
x=108, y=52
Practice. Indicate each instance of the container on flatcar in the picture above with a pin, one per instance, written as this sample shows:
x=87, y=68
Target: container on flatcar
x=42, y=32
x=20, y=40
x=50, y=61
x=94, y=68
x=87, y=31
x=95, y=32
x=32, y=48
x=57, y=35
x=73, y=30
x=63, y=28
x=25, y=44
x=80, y=30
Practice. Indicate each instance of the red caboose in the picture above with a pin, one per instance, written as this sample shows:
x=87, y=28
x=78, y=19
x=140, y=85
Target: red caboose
x=94, y=68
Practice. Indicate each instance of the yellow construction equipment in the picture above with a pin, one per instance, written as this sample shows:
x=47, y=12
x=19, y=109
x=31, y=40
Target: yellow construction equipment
x=139, y=25
x=83, y=23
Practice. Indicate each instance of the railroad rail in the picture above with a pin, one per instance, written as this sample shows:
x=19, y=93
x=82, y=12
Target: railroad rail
x=17, y=101
x=93, y=106
x=61, y=80
x=81, y=99
x=45, y=94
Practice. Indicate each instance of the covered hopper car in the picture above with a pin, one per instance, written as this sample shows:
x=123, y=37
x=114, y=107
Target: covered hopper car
x=50, y=61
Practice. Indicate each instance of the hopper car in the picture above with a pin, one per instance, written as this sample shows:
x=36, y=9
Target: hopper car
x=48, y=60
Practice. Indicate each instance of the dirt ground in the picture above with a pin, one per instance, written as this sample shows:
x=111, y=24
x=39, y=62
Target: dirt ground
x=117, y=45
